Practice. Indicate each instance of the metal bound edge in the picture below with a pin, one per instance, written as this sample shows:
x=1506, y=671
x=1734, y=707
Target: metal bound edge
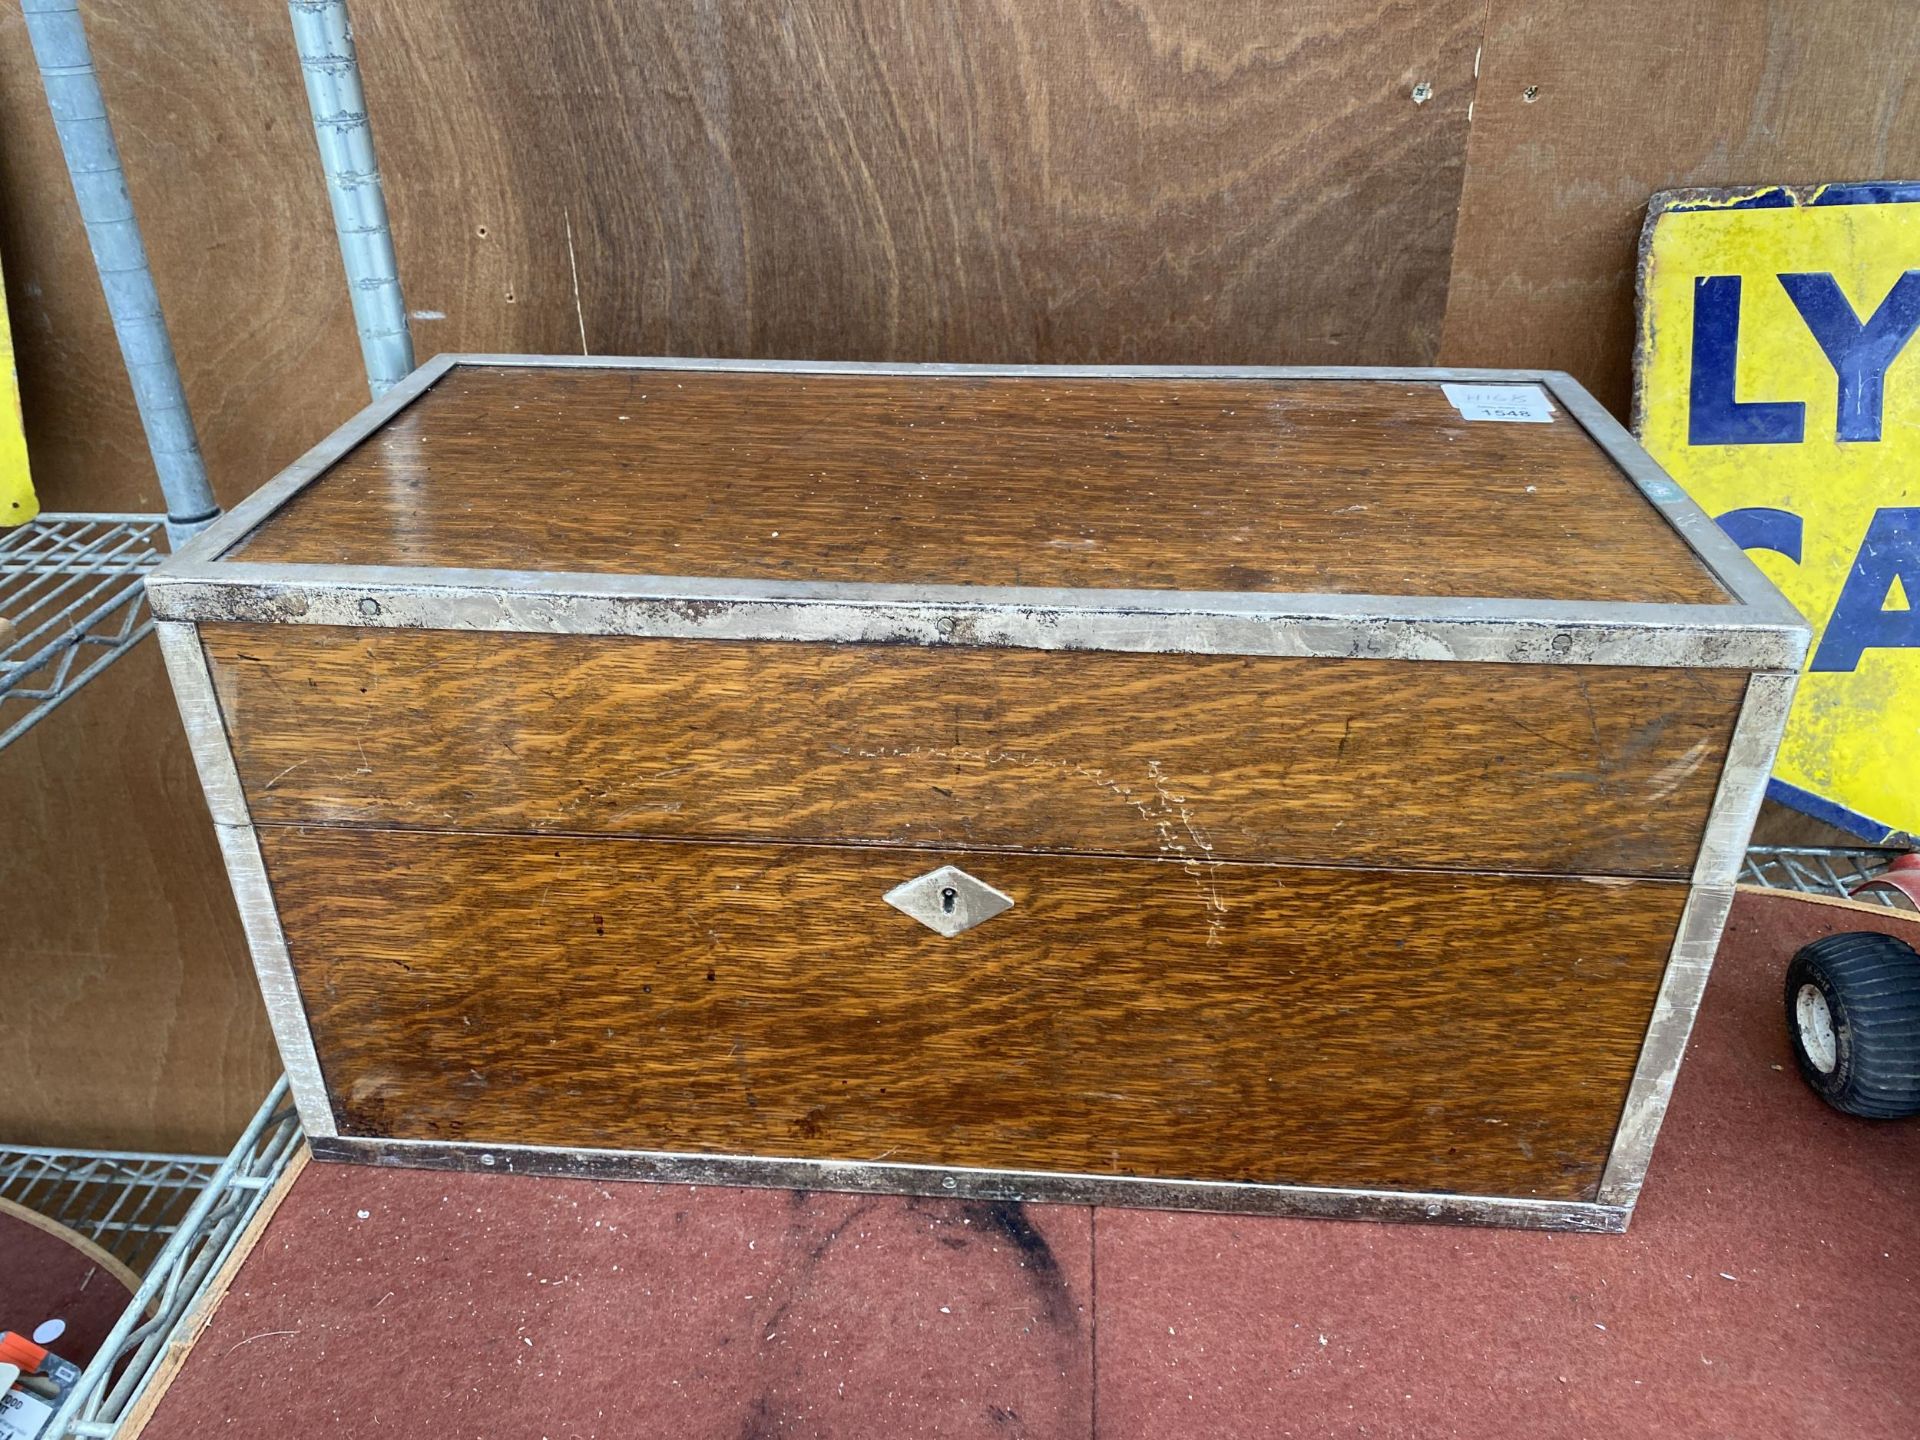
x=1711, y=545
x=1674, y=1009
x=244, y=518
x=1411, y=373
x=1189, y=622
x=1723, y=846
x=1756, y=630
x=1743, y=777
x=286, y=1012
x=247, y=872
x=200, y=713
x=1726, y=561
x=1044, y=1187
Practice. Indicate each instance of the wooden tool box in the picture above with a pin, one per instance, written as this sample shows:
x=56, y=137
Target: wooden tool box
x=1282, y=790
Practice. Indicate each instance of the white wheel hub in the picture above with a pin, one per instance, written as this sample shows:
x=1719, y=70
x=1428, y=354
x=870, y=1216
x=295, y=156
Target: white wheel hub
x=1815, y=1022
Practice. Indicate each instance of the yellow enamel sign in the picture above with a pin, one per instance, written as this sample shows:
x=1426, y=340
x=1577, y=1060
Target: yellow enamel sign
x=1778, y=380
x=17, y=504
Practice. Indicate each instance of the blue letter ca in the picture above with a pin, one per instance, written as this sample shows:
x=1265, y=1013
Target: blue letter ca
x=1762, y=528
x=1860, y=621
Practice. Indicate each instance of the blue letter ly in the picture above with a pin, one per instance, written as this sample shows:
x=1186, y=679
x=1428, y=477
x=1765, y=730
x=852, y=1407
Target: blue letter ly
x=1892, y=548
x=1859, y=354
x=1714, y=417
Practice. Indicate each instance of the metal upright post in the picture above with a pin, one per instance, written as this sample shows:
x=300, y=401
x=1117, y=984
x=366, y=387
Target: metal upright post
x=324, y=37
x=100, y=186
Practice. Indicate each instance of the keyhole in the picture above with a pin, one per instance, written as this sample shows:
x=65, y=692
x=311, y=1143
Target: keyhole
x=948, y=897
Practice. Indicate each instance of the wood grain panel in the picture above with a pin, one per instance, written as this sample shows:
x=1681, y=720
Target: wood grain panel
x=957, y=180
x=1583, y=111
x=1367, y=487
x=1525, y=767
x=1412, y=1031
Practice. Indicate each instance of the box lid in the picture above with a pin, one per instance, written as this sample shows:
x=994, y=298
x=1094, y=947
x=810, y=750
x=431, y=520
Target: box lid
x=1442, y=514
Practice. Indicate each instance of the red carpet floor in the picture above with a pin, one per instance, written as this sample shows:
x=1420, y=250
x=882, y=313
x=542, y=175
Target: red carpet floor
x=1767, y=1288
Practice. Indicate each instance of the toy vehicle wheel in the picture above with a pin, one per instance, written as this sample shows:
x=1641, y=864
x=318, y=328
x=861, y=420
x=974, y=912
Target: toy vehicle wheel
x=1853, y=1014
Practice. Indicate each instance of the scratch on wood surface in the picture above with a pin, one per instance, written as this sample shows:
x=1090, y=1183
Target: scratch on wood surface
x=1168, y=812
x=284, y=773
x=573, y=264
x=1204, y=868
x=1542, y=735
x=1671, y=776
x=1593, y=717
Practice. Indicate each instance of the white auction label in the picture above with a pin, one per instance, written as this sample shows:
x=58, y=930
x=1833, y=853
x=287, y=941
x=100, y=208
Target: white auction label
x=1515, y=404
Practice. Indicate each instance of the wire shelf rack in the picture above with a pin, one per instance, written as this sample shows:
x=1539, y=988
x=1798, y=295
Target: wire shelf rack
x=127, y=1202
x=171, y=1218
x=1822, y=870
x=72, y=602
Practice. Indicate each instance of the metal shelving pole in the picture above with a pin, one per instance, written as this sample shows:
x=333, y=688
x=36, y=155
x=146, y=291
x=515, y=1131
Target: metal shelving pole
x=79, y=111
x=323, y=36
x=72, y=601
x=71, y=598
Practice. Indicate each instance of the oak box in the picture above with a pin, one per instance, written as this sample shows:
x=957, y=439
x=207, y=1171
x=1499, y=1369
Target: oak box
x=1315, y=791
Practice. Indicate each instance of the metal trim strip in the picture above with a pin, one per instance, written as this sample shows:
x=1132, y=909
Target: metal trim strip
x=1723, y=848
x=1711, y=545
x=199, y=707
x=1029, y=372
x=1756, y=630
x=247, y=516
x=1337, y=626
x=247, y=872
x=1757, y=733
x=1674, y=1009
x=1044, y=1187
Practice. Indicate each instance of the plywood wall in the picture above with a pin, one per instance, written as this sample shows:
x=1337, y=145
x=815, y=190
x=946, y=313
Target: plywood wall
x=1583, y=110
x=1271, y=181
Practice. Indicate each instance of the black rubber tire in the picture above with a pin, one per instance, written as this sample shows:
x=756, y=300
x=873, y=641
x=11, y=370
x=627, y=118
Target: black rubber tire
x=1871, y=984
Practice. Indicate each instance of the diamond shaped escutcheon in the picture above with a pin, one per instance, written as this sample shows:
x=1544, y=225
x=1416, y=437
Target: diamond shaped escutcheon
x=948, y=900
